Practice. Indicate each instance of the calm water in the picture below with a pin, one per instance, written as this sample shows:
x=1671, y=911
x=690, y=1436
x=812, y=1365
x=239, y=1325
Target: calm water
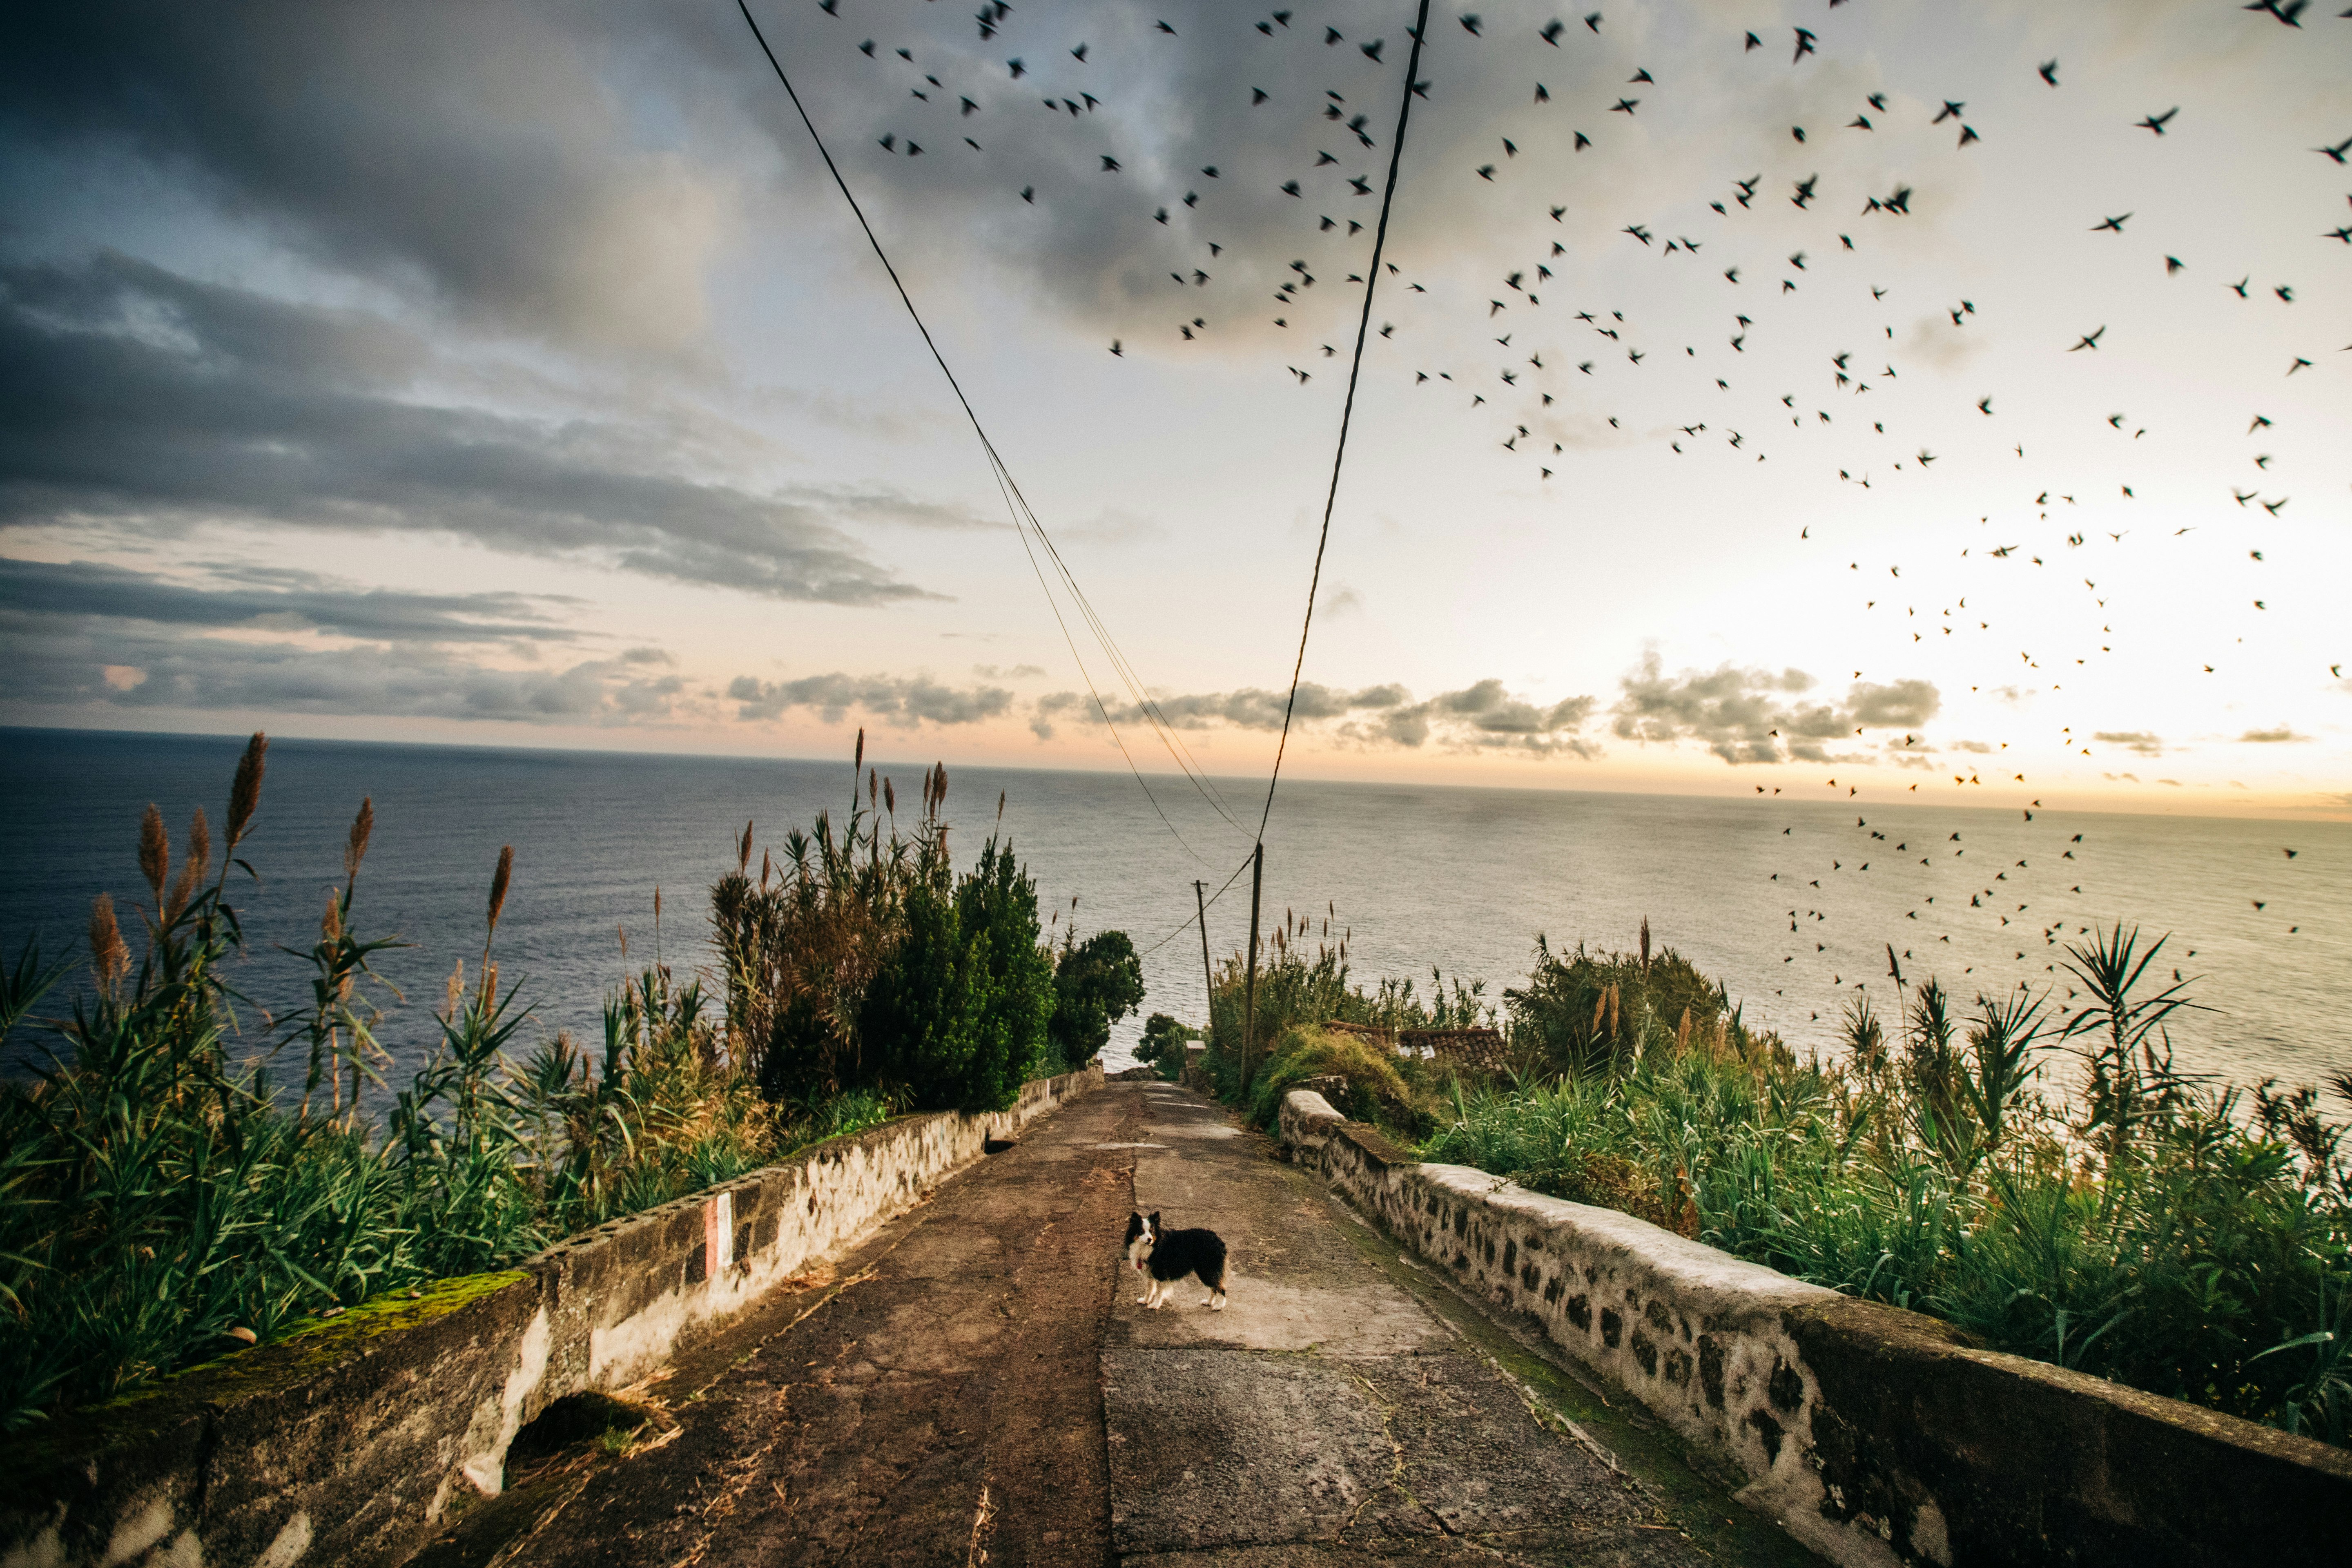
x=1460, y=879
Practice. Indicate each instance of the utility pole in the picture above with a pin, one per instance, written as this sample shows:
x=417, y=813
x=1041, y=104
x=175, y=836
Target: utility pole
x=1249, y=992
x=1208, y=980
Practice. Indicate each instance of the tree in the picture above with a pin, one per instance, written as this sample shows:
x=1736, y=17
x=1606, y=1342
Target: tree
x=957, y=1019
x=1096, y=982
x=1163, y=1039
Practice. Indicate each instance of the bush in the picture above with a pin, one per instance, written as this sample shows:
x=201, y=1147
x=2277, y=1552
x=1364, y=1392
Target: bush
x=1294, y=988
x=1376, y=1090
x=863, y=962
x=1594, y=1012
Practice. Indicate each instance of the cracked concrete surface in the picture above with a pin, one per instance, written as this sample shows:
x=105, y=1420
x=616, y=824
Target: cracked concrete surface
x=1326, y=1415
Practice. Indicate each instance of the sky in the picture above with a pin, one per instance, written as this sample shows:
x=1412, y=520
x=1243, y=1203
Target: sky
x=519, y=375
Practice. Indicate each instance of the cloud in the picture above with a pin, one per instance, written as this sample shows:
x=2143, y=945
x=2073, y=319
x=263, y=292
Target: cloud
x=1747, y=715
x=277, y=599
x=166, y=402
x=86, y=670
x=83, y=636
x=907, y=702
x=2272, y=737
x=2138, y=741
x=1480, y=717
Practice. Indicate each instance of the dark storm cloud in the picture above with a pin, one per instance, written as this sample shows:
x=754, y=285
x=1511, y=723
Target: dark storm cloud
x=909, y=701
x=1480, y=717
x=155, y=401
x=568, y=172
x=1752, y=715
x=274, y=599
x=487, y=153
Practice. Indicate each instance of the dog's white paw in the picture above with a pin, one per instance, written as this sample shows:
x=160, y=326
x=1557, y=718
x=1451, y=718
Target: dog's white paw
x=1217, y=1304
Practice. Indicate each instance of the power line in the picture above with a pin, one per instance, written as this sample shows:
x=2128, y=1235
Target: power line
x=1346, y=411
x=1025, y=518
x=1194, y=918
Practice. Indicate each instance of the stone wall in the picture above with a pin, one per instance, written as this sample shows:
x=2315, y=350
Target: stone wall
x=348, y=1441
x=1875, y=1435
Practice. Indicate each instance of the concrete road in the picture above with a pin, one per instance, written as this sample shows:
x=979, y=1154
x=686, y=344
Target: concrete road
x=976, y=1384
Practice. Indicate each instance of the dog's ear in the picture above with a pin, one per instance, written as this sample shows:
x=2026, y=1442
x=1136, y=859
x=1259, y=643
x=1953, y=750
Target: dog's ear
x=1155, y=1219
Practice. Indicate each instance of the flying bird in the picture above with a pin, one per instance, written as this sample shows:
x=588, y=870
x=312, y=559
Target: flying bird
x=2049, y=69
x=2090, y=340
x=2157, y=123
x=2114, y=222
x=1804, y=46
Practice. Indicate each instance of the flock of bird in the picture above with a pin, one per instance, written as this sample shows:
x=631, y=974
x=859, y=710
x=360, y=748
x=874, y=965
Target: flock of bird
x=1562, y=358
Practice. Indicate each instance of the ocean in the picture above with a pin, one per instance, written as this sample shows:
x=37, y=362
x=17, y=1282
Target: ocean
x=1791, y=904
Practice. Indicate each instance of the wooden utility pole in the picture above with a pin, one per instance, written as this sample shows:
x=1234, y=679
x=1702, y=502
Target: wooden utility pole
x=1249, y=991
x=1208, y=980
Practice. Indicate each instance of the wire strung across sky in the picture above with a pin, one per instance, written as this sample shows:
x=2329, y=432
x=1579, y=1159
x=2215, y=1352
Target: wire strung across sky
x=1033, y=532
x=1412, y=85
x=1024, y=519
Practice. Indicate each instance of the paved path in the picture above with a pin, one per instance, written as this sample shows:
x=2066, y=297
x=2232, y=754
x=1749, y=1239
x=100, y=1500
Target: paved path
x=978, y=1379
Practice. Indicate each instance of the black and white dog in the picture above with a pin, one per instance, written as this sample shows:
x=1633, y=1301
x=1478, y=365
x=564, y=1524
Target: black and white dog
x=1165, y=1257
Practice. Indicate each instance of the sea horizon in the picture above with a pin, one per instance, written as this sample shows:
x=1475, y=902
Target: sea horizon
x=1456, y=877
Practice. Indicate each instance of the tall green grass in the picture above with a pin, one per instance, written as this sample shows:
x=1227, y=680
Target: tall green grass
x=2184, y=1238
x=186, y=1175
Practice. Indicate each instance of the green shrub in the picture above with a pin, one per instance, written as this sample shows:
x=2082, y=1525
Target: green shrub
x=1594, y=1012
x=862, y=962
x=1376, y=1090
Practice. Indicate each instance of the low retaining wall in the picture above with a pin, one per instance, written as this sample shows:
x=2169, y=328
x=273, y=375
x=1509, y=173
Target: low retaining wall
x=1874, y=1435
x=348, y=1442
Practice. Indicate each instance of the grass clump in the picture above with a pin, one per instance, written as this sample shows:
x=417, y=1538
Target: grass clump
x=1375, y=1090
